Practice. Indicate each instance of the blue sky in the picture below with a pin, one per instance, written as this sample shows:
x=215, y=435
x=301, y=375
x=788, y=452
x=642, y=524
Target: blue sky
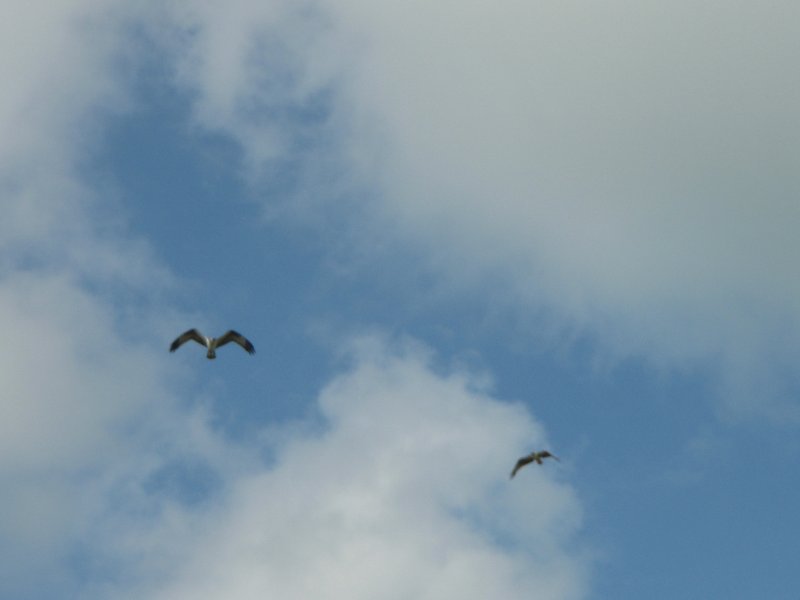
x=454, y=235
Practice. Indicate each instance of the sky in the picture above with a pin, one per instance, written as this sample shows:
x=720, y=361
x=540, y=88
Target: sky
x=456, y=233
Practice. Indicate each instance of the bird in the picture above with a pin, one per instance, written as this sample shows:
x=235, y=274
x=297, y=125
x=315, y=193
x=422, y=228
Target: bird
x=532, y=457
x=212, y=343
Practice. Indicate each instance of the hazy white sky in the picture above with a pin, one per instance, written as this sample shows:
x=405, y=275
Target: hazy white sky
x=478, y=187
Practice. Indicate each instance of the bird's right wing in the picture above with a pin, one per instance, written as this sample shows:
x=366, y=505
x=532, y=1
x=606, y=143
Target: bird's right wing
x=192, y=334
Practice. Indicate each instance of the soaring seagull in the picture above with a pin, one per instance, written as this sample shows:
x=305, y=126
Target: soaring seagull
x=532, y=457
x=212, y=343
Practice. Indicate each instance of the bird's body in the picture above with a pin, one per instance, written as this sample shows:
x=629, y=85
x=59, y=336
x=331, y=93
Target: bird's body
x=212, y=344
x=532, y=457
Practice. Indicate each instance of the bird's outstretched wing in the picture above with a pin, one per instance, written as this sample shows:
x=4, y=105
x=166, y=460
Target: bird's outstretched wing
x=192, y=334
x=235, y=336
x=521, y=463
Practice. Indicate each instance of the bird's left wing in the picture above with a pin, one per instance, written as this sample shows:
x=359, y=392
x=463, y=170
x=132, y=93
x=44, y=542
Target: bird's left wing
x=192, y=334
x=521, y=463
x=235, y=336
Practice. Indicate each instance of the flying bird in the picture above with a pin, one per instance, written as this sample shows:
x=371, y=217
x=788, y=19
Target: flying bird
x=212, y=343
x=532, y=457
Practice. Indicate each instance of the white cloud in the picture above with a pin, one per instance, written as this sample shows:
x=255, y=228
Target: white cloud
x=627, y=166
x=113, y=486
x=245, y=65
x=404, y=493
x=398, y=488
x=74, y=397
x=65, y=69
x=79, y=378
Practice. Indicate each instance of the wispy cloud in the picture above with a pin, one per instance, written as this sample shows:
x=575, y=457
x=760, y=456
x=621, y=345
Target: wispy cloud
x=626, y=168
x=77, y=376
x=114, y=484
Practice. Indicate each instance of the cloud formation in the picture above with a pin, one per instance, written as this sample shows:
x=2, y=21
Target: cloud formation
x=76, y=300
x=403, y=493
x=113, y=483
x=626, y=168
